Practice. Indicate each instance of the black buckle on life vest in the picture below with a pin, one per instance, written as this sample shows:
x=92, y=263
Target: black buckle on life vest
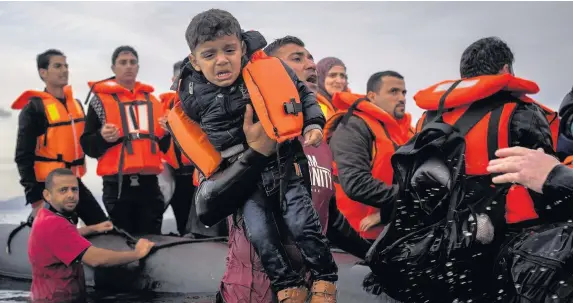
x=292, y=108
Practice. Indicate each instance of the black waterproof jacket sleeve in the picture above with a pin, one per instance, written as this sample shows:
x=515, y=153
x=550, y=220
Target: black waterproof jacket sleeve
x=351, y=146
x=93, y=143
x=32, y=123
x=559, y=182
x=341, y=233
x=529, y=128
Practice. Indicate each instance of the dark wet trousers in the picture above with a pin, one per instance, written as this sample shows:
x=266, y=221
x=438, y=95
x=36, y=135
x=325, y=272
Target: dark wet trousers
x=88, y=208
x=181, y=200
x=139, y=209
x=300, y=219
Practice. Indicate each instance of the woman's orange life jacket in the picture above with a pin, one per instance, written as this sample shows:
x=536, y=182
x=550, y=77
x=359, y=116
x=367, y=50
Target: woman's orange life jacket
x=136, y=114
x=327, y=108
x=389, y=134
x=275, y=100
x=59, y=146
x=519, y=205
x=173, y=156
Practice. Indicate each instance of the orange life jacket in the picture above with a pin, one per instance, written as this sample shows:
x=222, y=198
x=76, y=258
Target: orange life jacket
x=327, y=108
x=59, y=146
x=173, y=156
x=136, y=114
x=389, y=134
x=519, y=205
x=275, y=100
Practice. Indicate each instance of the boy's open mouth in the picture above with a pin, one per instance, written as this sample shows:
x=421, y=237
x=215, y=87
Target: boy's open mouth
x=223, y=75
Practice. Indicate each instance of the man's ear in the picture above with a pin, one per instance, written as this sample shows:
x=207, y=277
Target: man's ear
x=193, y=61
x=46, y=194
x=243, y=48
x=370, y=96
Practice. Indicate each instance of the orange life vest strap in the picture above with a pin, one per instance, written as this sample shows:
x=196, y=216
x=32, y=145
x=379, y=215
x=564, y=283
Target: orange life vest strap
x=60, y=159
x=274, y=96
x=480, y=109
x=127, y=139
x=193, y=142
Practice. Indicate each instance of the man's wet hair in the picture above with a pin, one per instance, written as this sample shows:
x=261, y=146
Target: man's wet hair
x=486, y=56
x=272, y=48
x=210, y=25
x=55, y=173
x=43, y=59
x=121, y=49
x=375, y=81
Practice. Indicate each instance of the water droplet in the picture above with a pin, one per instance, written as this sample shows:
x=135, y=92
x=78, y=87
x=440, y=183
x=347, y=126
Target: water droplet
x=449, y=264
x=542, y=269
x=462, y=276
x=548, y=207
x=468, y=234
x=449, y=273
x=500, y=291
x=554, y=297
x=488, y=208
x=562, y=282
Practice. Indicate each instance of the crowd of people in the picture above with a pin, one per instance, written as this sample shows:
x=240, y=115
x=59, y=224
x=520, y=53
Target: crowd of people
x=275, y=152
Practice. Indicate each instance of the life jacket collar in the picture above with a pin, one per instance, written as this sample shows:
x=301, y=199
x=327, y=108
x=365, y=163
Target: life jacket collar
x=473, y=89
x=25, y=97
x=344, y=100
x=111, y=86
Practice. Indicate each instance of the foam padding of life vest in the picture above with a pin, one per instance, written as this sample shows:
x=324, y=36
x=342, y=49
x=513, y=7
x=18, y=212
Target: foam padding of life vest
x=193, y=142
x=271, y=89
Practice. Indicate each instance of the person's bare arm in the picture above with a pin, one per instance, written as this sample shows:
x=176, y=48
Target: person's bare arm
x=100, y=257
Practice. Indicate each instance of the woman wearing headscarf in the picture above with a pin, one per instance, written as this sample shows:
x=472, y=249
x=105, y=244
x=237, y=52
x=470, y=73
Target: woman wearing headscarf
x=332, y=78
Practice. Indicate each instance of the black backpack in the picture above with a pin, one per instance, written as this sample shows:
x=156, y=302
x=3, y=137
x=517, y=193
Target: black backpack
x=433, y=224
x=537, y=265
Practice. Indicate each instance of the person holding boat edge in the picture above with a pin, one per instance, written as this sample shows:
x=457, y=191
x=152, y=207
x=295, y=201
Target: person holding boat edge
x=56, y=248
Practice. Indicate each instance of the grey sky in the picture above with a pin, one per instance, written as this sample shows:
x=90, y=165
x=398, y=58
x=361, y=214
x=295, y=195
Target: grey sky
x=421, y=40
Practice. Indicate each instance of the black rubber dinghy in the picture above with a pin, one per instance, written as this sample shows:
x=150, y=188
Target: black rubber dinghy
x=177, y=265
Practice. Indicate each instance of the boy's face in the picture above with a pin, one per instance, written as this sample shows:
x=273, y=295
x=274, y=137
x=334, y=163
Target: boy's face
x=219, y=60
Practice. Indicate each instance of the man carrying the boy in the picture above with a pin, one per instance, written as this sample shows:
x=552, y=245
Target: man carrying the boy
x=213, y=94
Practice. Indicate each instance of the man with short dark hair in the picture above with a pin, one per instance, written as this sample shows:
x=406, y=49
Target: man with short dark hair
x=362, y=142
x=57, y=248
x=123, y=133
x=49, y=129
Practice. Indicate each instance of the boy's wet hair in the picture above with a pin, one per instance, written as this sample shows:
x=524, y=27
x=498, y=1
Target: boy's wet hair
x=486, y=56
x=272, y=48
x=121, y=49
x=210, y=25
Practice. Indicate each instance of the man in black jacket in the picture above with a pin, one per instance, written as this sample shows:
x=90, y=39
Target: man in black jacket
x=31, y=157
